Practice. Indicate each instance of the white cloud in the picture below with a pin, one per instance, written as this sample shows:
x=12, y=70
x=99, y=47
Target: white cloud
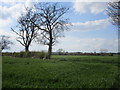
x=29, y=3
x=8, y=33
x=60, y=0
x=9, y=12
x=15, y=10
x=5, y=22
x=92, y=7
x=87, y=44
x=68, y=44
x=4, y=12
x=97, y=8
x=90, y=25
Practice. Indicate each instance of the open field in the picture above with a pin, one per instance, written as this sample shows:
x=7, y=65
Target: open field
x=60, y=72
x=0, y=71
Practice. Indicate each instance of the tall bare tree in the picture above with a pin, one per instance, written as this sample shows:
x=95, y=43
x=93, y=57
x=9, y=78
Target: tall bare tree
x=113, y=11
x=51, y=23
x=26, y=30
x=5, y=42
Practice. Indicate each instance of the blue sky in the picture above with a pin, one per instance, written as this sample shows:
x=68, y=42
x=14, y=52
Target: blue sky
x=91, y=30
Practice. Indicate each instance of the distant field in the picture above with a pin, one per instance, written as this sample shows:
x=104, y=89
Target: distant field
x=60, y=72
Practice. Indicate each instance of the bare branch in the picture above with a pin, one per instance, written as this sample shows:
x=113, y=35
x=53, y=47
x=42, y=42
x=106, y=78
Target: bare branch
x=26, y=29
x=4, y=42
x=20, y=42
x=51, y=23
x=113, y=11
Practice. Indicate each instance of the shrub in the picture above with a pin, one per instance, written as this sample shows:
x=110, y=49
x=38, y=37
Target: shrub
x=36, y=54
x=32, y=54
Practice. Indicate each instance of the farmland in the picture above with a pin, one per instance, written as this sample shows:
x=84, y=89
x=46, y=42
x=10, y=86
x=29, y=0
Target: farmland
x=60, y=72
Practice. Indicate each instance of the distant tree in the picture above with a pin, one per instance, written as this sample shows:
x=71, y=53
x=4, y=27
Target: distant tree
x=113, y=11
x=26, y=30
x=5, y=42
x=94, y=51
x=60, y=51
x=51, y=23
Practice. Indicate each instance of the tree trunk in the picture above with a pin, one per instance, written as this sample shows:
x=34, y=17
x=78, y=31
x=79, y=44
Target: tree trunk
x=49, y=52
x=50, y=46
x=26, y=48
x=1, y=50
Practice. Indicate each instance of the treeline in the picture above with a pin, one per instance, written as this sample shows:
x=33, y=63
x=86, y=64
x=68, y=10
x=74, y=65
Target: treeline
x=32, y=54
x=43, y=55
x=81, y=53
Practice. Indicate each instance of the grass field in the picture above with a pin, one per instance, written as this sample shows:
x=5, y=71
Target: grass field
x=0, y=71
x=60, y=72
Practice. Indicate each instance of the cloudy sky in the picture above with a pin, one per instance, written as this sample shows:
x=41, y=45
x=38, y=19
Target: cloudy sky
x=91, y=29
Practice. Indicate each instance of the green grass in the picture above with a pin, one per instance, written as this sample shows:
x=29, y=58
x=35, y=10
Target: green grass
x=0, y=71
x=60, y=72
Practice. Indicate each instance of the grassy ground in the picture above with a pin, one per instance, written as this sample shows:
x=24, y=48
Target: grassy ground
x=0, y=71
x=60, y=72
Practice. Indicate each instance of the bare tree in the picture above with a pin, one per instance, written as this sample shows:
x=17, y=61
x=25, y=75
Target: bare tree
x=26, y=30
x=4, y=42
x=113, y=11
x=51, y=23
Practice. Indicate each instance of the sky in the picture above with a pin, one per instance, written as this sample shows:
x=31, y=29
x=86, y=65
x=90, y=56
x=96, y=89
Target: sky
x=91, y=28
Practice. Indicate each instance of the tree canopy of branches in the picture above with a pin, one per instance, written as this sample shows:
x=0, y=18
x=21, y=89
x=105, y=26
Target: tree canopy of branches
x=26, y=30
x=4, y=42
x=114, y=12
x=51, y=23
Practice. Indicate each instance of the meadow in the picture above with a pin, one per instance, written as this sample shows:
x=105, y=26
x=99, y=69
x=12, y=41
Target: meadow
x=60, y=72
